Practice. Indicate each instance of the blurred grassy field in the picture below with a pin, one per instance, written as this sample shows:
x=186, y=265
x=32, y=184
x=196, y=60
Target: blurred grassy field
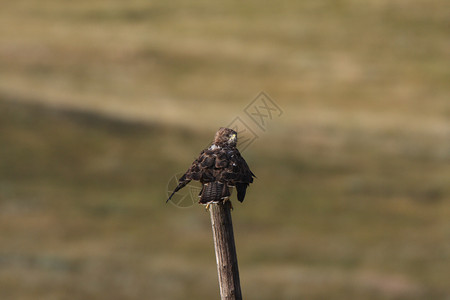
x=102, y=102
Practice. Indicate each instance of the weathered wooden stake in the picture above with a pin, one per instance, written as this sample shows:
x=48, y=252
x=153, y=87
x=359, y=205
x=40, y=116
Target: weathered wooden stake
x=227, y=264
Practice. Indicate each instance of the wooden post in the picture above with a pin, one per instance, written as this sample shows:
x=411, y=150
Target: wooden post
x=227, y=265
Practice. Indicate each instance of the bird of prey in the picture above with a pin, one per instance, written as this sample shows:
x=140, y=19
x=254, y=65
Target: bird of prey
x=219, y=167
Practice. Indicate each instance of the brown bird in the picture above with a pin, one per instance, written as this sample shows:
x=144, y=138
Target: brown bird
x=219, y=167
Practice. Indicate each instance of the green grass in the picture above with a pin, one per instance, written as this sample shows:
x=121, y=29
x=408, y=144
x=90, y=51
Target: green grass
x=102, y=102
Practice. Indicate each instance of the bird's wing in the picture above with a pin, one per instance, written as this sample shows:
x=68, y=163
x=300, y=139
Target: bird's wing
x=182, y=182
x=201, y=169
x=223, y=165
x=235, y=172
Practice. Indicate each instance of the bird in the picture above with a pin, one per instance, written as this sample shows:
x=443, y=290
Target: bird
x=219, y=167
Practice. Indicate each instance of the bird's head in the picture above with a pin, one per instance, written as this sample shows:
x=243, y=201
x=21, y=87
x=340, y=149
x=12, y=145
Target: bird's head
x=226, y=136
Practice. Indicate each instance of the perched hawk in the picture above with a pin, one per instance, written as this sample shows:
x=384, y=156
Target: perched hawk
x=219, y=168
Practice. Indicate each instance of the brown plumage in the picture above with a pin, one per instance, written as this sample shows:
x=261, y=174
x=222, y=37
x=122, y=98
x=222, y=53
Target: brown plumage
x=218, y=168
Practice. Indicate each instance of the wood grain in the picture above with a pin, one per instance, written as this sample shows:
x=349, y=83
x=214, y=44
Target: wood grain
x=227, y=264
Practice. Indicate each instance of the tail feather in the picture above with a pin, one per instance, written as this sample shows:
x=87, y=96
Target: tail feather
x=214, y=192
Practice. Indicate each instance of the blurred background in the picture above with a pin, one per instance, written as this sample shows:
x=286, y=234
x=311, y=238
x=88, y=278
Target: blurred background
x=102, y=102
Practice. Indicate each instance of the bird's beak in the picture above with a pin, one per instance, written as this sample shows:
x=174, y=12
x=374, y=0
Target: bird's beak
x=233, y=137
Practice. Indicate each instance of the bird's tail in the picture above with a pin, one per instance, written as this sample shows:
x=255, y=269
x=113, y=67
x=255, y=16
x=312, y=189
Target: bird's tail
x=214, y=192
